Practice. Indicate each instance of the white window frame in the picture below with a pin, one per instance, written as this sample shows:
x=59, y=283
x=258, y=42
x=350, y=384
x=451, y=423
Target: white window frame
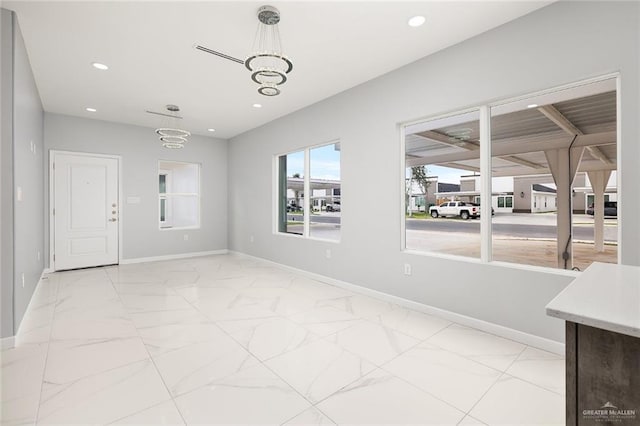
x=306, y=234
x=485, y=178
x=168, y=195
x=163, y=196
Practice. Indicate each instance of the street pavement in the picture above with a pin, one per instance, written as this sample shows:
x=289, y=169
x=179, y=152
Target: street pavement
x=516, y=225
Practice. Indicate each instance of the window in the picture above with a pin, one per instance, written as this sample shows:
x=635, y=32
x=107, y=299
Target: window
x=530, y=145
x=555, y=151
x=292, y=193
x=508, y=202
x=432, y=174
x=315, y=171
x=179, y=195
x=163, y=194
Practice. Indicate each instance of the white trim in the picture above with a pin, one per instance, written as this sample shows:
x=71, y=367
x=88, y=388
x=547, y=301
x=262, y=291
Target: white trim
x=533, y=268
x=52, y=154
x=496, y=329
x=555, y=89
x=42, y=274
x=306, y=207
x=619, y=148
x=486, y=191
x=7, y=343
x=447, y=256
x=172, y=256
x=403, y=190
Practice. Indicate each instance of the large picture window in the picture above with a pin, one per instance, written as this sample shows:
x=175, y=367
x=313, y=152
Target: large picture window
x=557, y=151
x=179, y=195
x=442, y=185
x=551, y=193
x=310, y=192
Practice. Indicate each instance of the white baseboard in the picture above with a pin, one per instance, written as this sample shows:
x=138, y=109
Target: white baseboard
x=496, y=329
x=44, y=271
x=7, y=343
x=172, y=256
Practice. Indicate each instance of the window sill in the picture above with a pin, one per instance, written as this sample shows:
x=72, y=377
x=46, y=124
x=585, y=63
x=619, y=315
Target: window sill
x=530, y=268
x=179, y=228
x=299, y=236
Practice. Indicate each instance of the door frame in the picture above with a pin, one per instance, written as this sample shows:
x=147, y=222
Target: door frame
x=52, y=197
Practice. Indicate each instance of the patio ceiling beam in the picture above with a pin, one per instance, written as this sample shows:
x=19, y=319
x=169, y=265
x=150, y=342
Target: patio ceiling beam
x=522, y=162
x=469, y=144
x=585, y=166
x=461, y=166
x=522, y=146
x=472, y=145
x=565, y=124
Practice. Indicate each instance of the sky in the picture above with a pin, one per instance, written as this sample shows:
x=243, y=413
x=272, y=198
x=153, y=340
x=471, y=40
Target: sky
x=325, y=163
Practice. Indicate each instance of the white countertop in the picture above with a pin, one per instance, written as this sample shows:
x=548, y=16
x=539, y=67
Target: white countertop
x=605, y=296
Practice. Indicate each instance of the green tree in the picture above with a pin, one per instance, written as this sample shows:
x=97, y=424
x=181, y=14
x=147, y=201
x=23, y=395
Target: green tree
x=419, y=174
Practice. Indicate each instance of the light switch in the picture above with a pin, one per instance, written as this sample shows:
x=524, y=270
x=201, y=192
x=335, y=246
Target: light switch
x=19, y=193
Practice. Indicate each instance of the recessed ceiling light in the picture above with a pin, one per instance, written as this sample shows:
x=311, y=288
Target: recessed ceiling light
x=257, y=105
x=532, y=106
x=211, y=130
x=91, y=109
x=416, y=21
x=100, y=66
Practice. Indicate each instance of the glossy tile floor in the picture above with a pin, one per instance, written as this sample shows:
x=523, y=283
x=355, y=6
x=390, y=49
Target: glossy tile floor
x=230, y=340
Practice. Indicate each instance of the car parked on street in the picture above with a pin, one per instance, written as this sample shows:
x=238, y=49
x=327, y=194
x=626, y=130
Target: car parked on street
x=493, y=212
x=455, y=208
x=335, y=207
x=610, y=209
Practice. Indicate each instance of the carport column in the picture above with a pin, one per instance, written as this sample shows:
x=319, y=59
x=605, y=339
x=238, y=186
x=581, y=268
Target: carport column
x=598, y=181
x=559, y=160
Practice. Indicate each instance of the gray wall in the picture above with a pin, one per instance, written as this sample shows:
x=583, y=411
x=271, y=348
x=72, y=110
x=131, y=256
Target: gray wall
x=559, y=44
x=141, y=151
x=28, y=174
x=22, y=167
x=6, y=173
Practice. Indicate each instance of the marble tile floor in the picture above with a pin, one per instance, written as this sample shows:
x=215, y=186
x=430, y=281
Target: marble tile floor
x=231, y=340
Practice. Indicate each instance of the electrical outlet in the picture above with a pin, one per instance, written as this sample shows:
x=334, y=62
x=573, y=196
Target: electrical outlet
x=327, y=253
x=23, y=280
x=407, y=269
x=186, y=237
x=251, y=239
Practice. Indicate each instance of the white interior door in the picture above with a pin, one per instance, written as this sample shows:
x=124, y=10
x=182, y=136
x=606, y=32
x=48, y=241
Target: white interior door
x=85, y=211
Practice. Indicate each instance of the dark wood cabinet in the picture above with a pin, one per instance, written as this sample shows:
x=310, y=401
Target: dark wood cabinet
x=603, y=377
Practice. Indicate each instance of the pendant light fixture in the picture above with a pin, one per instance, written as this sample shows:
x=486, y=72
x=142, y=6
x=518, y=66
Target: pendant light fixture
x=268, y=65
x=171, y=135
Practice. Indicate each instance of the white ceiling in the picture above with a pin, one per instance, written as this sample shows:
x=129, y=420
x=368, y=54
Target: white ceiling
x=148, y=46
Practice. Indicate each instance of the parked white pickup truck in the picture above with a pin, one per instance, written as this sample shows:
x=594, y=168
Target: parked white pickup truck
x=455, y=208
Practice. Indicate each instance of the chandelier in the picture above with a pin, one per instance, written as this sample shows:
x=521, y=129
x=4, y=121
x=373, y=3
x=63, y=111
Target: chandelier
x=268, y=65
x=170, y=134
